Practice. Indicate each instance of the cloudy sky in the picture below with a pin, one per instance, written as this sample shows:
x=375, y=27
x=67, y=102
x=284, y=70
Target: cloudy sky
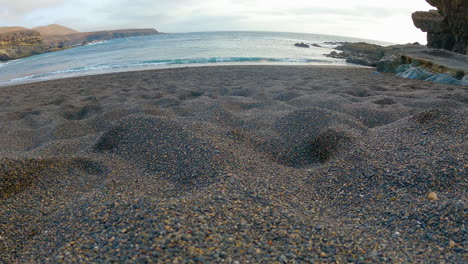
x=387, y=20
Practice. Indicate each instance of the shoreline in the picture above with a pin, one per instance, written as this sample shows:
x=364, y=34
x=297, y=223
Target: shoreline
x=233, y=164
x=194, y=65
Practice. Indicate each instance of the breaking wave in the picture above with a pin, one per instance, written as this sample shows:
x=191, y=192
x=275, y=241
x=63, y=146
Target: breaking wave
x=154, y=64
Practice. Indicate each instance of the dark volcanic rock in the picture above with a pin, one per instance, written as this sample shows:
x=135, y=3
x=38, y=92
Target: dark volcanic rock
x=359, y=53
x=302, y=45
x=446, y=27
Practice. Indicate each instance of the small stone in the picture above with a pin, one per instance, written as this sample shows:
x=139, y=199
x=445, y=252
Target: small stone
x=452, y=244
x=432, y=196
x=323, y=254
x=319, y=227
x=199, y=259
x=282, y=259
x=458, y=249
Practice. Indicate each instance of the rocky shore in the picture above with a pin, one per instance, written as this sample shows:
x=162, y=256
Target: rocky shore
x=443, y=60
x=410, y=61
x=18, y=43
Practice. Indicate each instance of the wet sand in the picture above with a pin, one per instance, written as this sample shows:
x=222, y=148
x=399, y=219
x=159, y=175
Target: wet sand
x=235, y=164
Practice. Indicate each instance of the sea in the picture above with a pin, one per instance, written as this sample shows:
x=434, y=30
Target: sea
x=176, y=50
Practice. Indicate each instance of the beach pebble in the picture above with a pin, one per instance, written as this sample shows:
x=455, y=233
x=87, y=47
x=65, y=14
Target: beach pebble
x=452, y=244
x=432, y=196
x=282, y=259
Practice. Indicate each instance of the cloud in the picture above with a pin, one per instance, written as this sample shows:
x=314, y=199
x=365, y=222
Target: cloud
x=21, y=7
x=360, y=18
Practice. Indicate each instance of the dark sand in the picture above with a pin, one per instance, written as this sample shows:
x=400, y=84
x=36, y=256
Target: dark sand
x=244, y=164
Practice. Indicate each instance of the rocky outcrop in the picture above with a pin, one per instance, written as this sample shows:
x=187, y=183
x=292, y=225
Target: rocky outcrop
x=423, y=63
x=24, y=43
x=412, y=61
x=447, y=27
x=360, y=53
x=302, y=45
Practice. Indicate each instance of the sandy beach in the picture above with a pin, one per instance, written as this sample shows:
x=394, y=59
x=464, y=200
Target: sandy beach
x=234, y=164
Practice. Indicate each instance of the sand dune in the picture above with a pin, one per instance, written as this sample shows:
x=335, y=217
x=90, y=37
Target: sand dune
x=239, y=163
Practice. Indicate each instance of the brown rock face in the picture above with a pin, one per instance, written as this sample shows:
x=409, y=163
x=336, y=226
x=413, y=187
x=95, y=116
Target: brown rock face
x=19, y=44
x=447, y=27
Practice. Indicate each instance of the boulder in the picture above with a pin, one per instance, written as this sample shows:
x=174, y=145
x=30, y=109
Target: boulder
x=447, y=27
x=389, y=63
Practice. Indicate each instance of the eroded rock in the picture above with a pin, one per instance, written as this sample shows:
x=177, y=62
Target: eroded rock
x=446, y=27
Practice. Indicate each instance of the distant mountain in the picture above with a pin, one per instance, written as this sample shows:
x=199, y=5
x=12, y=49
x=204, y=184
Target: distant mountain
x=55, y=30
x=11, y=29
x=19, y=42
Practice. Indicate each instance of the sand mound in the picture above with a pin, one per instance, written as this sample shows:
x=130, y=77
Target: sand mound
x=311, y=136
x=165, y=148
x=18, y=175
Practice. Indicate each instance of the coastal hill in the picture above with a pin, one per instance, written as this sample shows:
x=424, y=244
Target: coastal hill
x=54, y=29
x=19, y=42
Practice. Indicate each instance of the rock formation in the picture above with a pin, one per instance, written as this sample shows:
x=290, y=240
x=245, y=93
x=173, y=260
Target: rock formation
x=359, y=53
x=17, y=42
x=420, y=62
x=410, y=61
x=447, y=27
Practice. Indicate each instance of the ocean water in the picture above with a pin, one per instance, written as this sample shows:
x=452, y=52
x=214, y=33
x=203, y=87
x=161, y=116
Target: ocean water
x=175, y=50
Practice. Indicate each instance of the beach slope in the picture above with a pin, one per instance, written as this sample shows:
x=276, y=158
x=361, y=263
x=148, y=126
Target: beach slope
x=235, y=164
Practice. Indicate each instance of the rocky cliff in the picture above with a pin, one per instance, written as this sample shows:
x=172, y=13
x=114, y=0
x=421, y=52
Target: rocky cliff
x=77, y=39
x=24, y=43
x=447, y=27
x=19, y=44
